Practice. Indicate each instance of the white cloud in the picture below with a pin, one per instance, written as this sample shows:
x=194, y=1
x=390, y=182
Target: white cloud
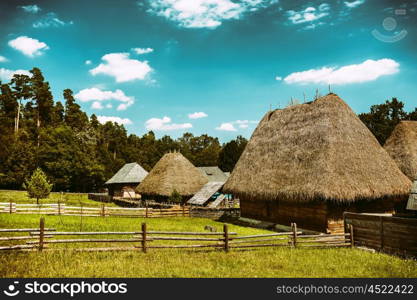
x=310, y=14
x=98, y=95
x=141, y=51
x=88, y=62
x=354, y=3
x=33, y=9
x=122, y=68
x=197, y=115
x=6, y=74
x=230, y=126
x=226, y=127
x=96, y=105
x=205, y=13
x=121, y=121
x=278, y=78
x=244, y=123
x=3, y=59
x=165, y=124
x=50, y=20
x=368, y=70
x=28, y=46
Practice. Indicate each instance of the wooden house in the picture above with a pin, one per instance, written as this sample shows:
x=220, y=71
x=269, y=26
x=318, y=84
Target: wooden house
x=309, y=163
x=124, y=182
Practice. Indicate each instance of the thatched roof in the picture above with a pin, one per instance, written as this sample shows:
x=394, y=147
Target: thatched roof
x=313, y=152
x=129, y=173
x=203, y=195
x=172, y=171
x=214, y=174
x=402, y=147
x=412, y=200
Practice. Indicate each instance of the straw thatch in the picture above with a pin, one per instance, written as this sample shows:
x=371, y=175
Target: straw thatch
x=315, y=151
x=402, y=147
x=172, y=172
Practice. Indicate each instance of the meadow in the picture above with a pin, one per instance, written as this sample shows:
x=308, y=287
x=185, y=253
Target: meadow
x=266, y=262
x=69, y=199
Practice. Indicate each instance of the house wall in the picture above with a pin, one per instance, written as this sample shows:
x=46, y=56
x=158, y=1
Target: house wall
x=322, y=217
x=307, y=215
x=115, y=190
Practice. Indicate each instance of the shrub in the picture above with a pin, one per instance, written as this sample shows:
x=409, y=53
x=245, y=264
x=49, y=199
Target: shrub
x=38, y=186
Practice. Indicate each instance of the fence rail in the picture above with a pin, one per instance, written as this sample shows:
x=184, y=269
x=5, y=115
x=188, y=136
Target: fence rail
x=102, y=211
x=42, y=238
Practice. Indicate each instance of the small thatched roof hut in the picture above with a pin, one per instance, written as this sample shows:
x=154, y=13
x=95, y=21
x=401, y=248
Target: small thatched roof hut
x=402, y=147
x=172, y=172
x=309, y=162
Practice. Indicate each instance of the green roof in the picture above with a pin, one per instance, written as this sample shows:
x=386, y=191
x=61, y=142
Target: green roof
x=129, y=173
x=213, y=174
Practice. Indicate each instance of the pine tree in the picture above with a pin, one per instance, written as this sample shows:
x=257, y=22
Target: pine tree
x=38, y=186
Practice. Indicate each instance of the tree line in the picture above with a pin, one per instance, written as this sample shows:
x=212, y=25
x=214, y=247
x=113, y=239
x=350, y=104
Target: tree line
x=79, y=154
x=75, y=150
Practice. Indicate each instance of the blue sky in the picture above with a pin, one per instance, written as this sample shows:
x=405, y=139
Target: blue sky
x=211, y=66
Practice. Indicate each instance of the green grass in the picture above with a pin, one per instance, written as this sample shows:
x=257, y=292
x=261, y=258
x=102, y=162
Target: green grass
x=70, y=199
x=274, y=262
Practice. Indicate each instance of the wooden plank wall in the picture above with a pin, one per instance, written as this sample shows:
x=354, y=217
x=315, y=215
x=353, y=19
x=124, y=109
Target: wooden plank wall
x=388, y=234
x=312, y=216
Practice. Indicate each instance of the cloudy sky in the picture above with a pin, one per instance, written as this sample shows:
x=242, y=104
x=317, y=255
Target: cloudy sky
x=211, y=66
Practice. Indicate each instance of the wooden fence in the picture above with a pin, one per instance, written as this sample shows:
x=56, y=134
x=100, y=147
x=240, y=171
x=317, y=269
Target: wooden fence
x=388, y=234
x=102, y=211
x=48, y=239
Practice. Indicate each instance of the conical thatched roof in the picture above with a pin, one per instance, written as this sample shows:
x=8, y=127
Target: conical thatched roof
x=402, y=147
x=129, y=173
x=172, y=171
x=315, y=151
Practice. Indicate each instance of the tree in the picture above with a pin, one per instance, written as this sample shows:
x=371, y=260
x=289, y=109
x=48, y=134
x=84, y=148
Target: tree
x=382, y=118
x=22, y=91
x=230, y=153
x=38, y=186
x=74, y=116
x=175, y=197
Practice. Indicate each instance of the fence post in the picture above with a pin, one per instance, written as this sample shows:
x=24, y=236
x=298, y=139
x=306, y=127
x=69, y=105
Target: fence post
x=294, y=234
x=144, y=237
x=11, y=206
x=352, y=240
x=226, y=237
x=146, y=209
x=41, y=233
x=381, y=232
x=102, y=210
x=183, y=210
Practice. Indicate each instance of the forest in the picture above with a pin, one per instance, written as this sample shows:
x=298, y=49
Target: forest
x=79, y=154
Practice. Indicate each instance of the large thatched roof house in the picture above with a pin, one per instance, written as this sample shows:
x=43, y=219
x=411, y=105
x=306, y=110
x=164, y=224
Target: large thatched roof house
x=310, y=162
x=402, y=147
x=123, y=183
x=172, y=172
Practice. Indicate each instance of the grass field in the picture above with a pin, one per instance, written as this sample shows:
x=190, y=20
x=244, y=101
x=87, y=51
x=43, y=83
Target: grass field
x=275, y=262
x=70, y=199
